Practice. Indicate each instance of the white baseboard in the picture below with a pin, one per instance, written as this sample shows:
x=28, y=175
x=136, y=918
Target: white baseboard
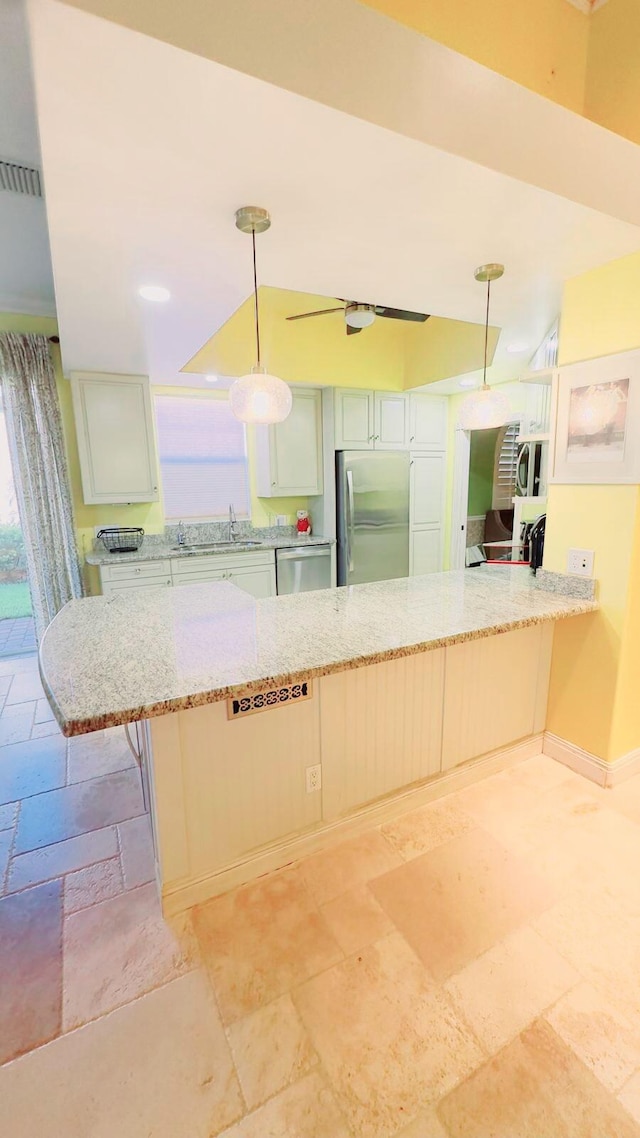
x=591, y=766
x=179, y=897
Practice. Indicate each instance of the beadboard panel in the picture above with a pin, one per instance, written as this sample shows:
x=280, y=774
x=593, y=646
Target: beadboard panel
x=243, y=783
x=495, y=692
x=381, y=729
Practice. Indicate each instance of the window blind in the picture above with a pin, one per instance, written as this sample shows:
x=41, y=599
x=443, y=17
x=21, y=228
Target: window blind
x=203, y=458
x=506, y=464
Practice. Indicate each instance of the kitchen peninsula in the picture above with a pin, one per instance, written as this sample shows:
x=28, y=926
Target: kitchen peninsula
x=370, y=690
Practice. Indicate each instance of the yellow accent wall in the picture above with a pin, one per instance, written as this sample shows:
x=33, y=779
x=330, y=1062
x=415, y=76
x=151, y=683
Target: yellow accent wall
x=596, y=659
x=612, y=94
x=541, y=44
x=390, y=355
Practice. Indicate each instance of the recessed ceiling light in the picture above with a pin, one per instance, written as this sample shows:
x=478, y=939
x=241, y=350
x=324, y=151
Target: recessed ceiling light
x=469, y=382
x=211, y=378
x=156, y=293
x=517, y=347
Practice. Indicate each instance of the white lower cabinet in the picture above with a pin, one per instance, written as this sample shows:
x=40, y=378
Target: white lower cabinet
x=255, y=573
x=425, y=553
x=146, y=575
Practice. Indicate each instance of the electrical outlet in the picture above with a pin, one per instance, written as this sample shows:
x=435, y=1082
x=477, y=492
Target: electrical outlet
x=281, y=520
x=314, y=778
x=580, y=562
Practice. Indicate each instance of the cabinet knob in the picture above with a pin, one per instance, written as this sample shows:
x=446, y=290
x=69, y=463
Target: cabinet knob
x=412, y=438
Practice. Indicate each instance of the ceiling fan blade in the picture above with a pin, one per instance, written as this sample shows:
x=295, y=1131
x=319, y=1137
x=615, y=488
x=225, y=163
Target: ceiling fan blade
x=352, y=331
x=320, y=312
x=402, y=314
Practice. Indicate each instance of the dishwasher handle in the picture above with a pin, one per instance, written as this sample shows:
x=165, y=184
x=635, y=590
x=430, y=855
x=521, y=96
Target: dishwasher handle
x=294, y=554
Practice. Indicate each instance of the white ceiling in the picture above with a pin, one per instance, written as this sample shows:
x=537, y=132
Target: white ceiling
x=26, y=282
x=145, y=165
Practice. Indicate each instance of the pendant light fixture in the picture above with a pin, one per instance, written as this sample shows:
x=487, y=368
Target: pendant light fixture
x=258, y=397
x=485, y=407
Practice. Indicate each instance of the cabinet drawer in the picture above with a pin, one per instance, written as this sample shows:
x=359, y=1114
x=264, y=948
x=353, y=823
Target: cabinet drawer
x=211, y=563
x=135, y=572
x=136, y=586
x=209, y=574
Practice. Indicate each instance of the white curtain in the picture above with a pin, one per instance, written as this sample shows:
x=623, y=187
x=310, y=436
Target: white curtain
x=34, y=429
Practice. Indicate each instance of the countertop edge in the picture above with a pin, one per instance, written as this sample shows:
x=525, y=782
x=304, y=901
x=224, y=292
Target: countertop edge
x=84, y=726
x=98, y=559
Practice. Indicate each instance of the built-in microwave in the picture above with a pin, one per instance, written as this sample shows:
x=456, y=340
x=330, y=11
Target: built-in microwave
x=531, y=470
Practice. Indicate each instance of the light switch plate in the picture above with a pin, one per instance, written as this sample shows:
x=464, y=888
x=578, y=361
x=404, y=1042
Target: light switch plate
x=580, y=562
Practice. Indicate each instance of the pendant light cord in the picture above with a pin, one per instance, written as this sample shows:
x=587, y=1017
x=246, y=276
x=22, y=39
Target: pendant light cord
x=485, y=331
x=255, y=294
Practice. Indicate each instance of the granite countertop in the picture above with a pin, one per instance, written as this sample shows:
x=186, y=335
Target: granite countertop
x=161, y=549
x=114, y=659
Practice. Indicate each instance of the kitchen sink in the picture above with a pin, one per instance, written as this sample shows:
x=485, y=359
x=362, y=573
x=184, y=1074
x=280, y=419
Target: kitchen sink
x=212, y=546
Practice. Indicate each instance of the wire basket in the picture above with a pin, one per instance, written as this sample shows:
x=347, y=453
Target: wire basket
x=126, y=539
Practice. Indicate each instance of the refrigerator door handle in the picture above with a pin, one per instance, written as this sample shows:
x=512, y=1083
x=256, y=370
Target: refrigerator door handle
x=350, y=512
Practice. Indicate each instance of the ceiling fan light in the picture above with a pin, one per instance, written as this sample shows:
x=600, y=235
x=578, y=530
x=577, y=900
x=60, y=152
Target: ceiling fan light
x=260, y=398
x=483, y=409
x=359, y=315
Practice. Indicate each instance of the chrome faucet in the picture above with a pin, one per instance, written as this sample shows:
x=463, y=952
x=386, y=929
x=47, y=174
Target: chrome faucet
x=233, y=525
x=180, y=536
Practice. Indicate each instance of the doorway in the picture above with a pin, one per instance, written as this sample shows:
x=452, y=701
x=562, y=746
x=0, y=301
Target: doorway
x=484, y=485
x=17, y=630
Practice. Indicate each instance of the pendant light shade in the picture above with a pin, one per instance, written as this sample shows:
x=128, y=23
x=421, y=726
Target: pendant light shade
x=258, y=397
x=485, y=407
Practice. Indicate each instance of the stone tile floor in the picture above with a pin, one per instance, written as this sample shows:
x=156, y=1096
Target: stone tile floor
x=469, y=970
x=17, y=636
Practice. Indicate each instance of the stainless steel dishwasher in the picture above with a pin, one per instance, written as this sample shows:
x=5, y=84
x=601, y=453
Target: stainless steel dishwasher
x=303, y=568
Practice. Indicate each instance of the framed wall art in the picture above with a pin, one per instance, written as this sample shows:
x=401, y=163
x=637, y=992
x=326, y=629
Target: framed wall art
x=597, y=436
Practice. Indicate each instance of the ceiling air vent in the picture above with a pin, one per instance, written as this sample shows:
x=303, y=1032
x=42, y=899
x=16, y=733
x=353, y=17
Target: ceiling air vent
x=20, y=179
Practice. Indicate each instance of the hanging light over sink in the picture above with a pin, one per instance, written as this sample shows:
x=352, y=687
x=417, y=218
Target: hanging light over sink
x=485, y=407
x=258, y=397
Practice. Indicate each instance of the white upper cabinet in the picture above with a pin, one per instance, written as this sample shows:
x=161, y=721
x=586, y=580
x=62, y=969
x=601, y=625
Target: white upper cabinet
x=390, y=420
x=116, y=442
x=289, y=454
x=354, y=419
x=427, y=422
x=370, y=420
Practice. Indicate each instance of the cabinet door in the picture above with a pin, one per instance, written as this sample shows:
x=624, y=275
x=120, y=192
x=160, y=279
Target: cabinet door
x=426, y=551
x=116, y=442
x=134, y=585
x=260, y=582
x=390, y=421
x=427, y=422
x=290, y=453
x=427, y=489
x=354, y=428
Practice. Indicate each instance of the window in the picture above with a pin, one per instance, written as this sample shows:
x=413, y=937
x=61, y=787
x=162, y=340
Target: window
x=203, y=458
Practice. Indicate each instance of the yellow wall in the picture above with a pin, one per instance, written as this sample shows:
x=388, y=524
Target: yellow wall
x=596, y=658
x=600, y=312
x=541, y=44
x=390, y=355
x=612, y=94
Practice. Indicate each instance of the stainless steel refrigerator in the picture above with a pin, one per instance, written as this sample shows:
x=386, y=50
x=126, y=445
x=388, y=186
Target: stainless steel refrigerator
x=372, y=501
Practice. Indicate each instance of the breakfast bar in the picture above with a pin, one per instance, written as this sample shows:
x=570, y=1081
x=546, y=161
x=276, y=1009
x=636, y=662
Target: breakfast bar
x=268, y=725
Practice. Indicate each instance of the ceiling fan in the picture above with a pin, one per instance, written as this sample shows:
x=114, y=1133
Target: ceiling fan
x=358, y=316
